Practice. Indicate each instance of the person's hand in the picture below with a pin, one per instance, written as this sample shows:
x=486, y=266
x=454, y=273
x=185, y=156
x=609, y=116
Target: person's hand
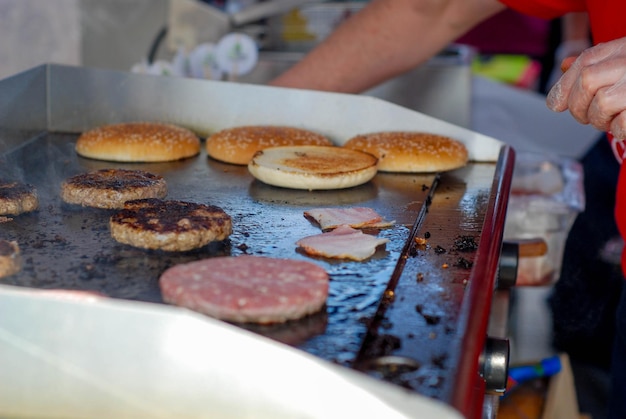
x=564, y=52
x=593, y=88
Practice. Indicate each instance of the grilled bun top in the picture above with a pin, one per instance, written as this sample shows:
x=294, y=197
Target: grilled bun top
x=138, y=142
x=237, y=145
x=411, y=152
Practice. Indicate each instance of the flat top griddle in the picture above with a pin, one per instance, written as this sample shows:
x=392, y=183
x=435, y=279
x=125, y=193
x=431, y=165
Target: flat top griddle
x=422, y=305
x=67, y=246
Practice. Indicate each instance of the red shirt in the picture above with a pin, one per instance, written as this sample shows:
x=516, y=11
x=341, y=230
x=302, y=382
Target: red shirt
x=607, y=23
x=605, y=16
x=530, y=37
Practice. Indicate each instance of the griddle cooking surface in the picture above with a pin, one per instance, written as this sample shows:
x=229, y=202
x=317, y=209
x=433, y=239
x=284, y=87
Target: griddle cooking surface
x=70, y=247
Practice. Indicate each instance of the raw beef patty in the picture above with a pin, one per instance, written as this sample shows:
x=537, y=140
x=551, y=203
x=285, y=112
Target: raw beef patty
x=246, y=288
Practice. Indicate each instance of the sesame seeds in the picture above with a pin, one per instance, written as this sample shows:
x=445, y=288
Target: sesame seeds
x=406, y=151
x=237, y=145
x=138, y=141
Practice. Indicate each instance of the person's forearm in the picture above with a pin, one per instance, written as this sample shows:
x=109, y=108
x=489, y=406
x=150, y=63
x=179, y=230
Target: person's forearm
x=575, y=39
x=575, y=27
x=386, y=38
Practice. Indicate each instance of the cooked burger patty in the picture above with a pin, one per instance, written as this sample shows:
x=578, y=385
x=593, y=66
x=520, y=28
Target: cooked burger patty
x=252, y=289
x=17, y=198
x=169, y=225
x=10, y=261
x=110, y=188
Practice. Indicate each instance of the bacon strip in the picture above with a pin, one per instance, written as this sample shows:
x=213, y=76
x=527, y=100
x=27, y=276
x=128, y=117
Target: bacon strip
x=356, y=217
x=344, y=242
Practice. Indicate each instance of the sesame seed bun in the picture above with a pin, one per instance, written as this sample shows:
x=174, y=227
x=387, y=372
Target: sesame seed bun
x=237, y=145
x=312, y=167
x=138, y=142
x=411, y=152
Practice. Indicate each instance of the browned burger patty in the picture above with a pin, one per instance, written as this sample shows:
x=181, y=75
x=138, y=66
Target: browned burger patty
x=10, y=260
x=169, y=225
x=110, y=188
x=17, y=198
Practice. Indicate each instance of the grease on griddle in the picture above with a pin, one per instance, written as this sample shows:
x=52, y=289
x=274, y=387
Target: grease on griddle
x=386, y=324
x=431, y=317
x=382, y=345
x=366, y=321
x=409, y=373
x=107, y=258
x=398, y=370
x=433, y=381
x=88, y=271
x=293, y=332
x=464, y=263
x=40, y=242
x=439, y=361
x=60, y=239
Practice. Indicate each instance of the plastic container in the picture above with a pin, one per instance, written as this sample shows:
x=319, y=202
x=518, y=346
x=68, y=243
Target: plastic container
x=547, y=195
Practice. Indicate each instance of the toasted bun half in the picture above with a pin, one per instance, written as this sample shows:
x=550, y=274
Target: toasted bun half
x=412, y=152
x=237, y=145
x=312, y=167
x=138, y=142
